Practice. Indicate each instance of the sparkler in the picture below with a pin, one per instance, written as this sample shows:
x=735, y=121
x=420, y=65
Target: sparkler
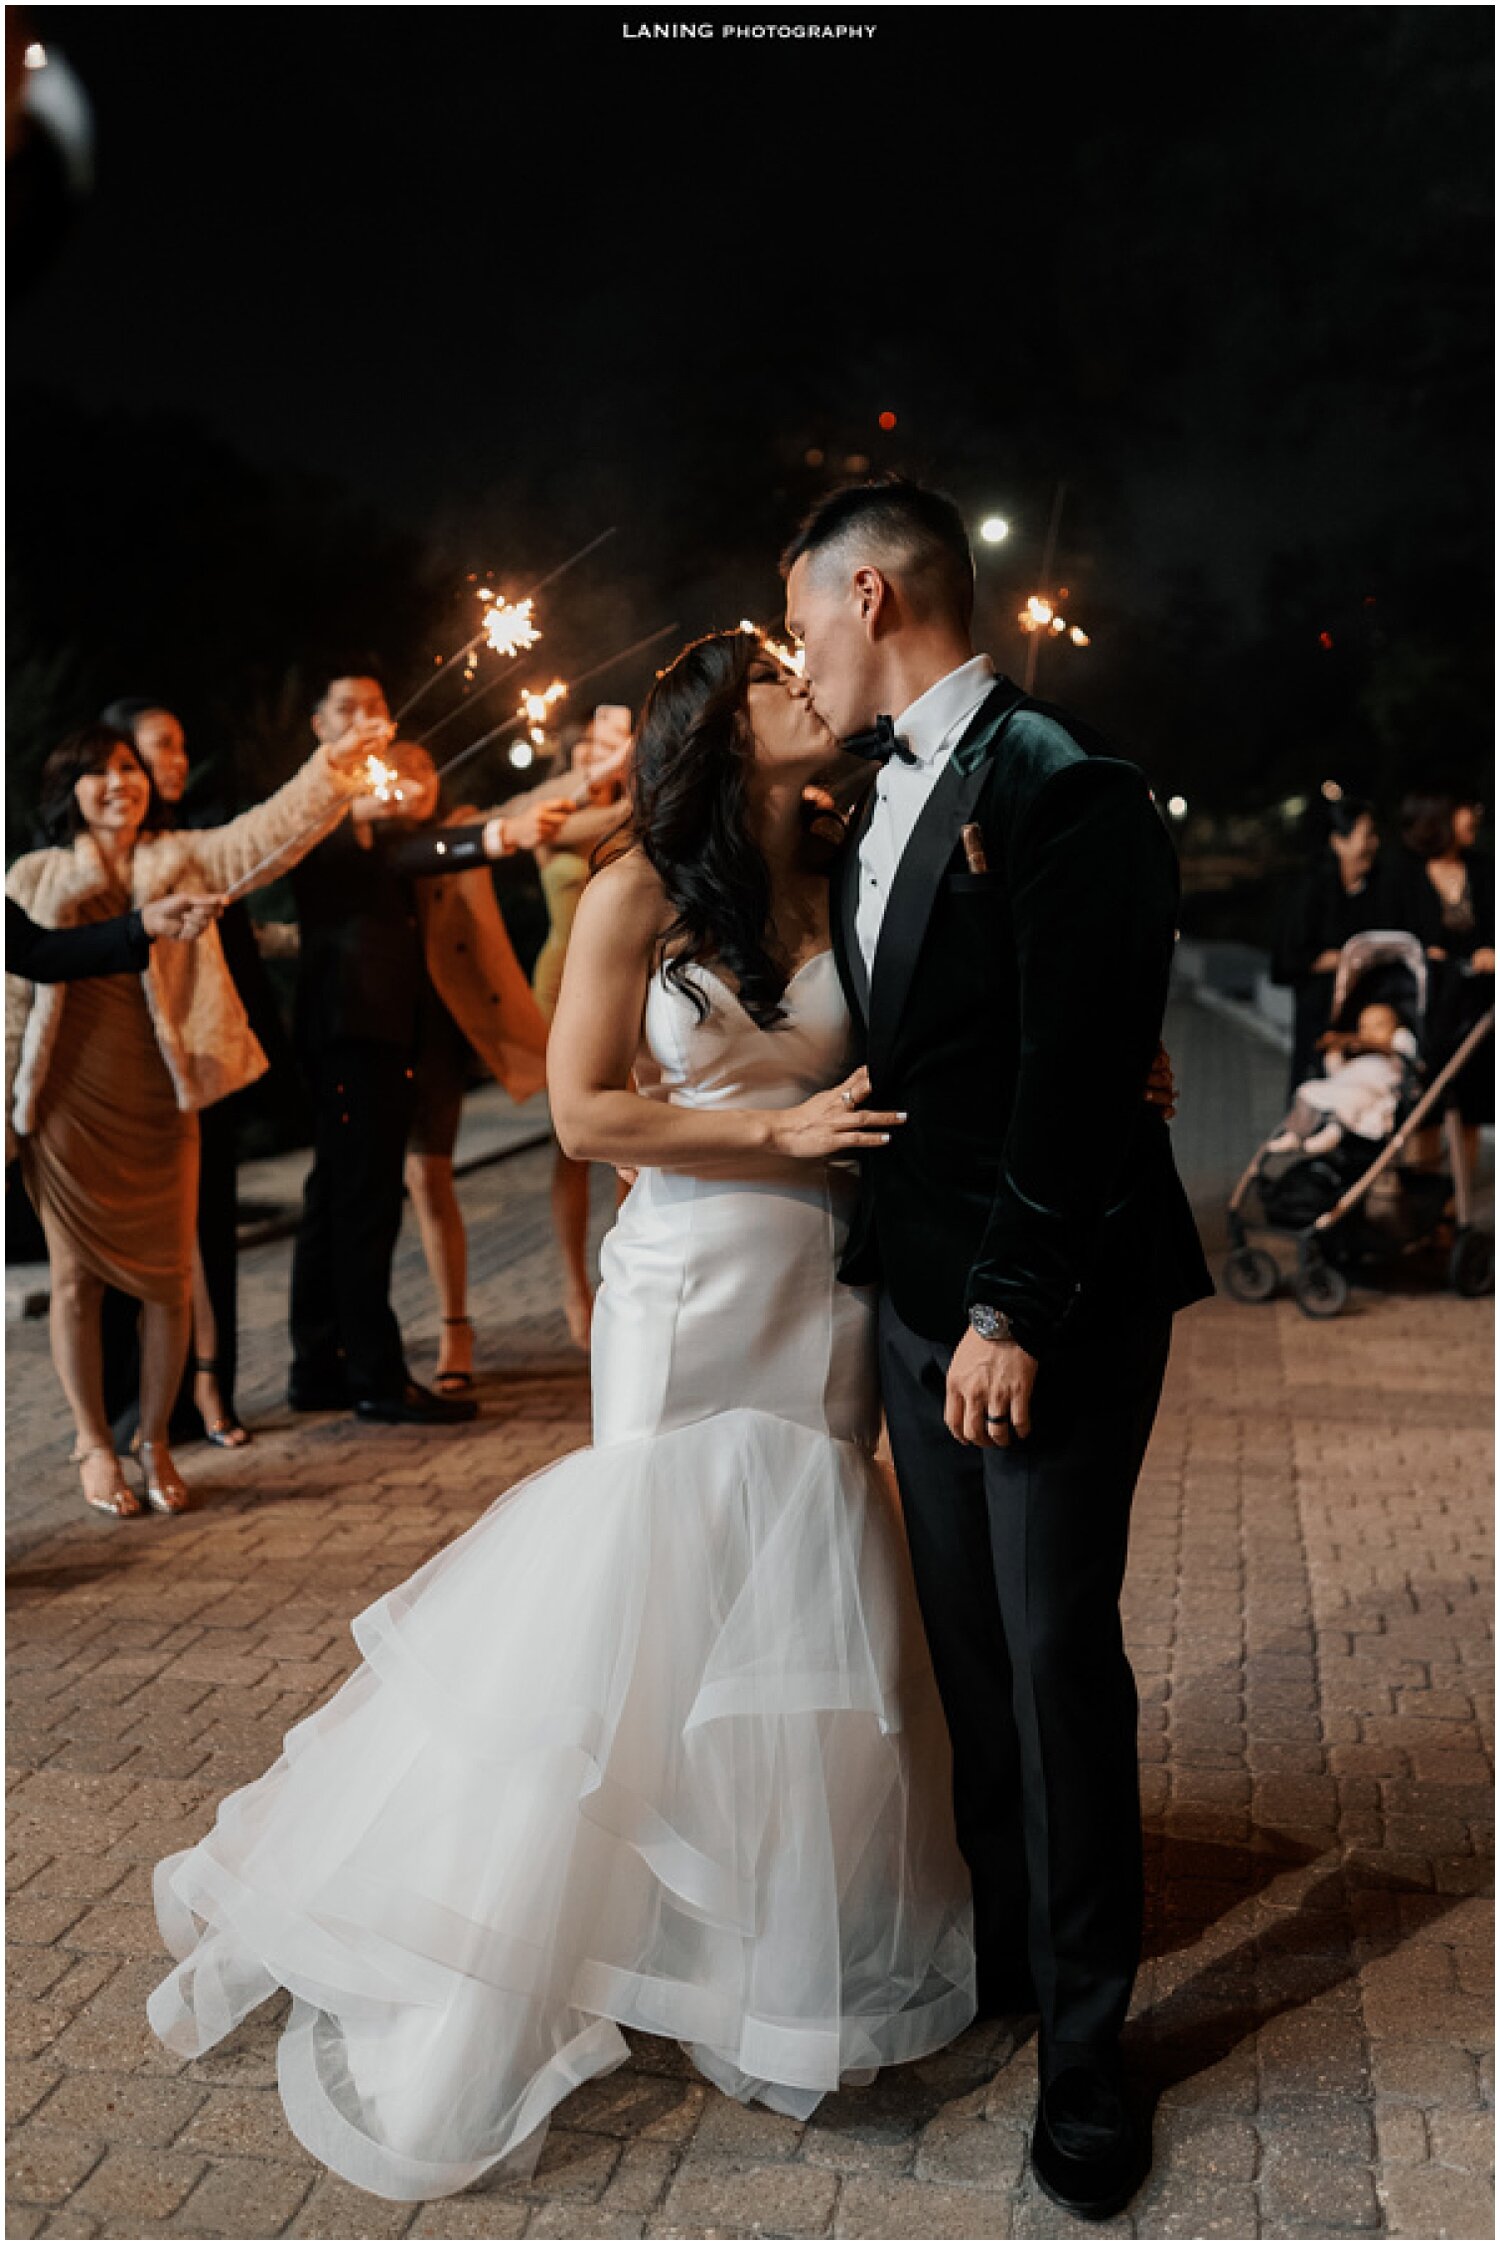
x=535, y=709
x=517, y=608
x=793, y=659
x=555, y=692
x=382, y=780
x=508, y=627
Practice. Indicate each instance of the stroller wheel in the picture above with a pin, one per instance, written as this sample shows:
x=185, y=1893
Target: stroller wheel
x=1471, y=1266
x=1321, y=1290
x=1251, y=1275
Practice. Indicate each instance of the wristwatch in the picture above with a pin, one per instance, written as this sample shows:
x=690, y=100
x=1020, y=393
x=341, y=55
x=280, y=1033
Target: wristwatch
x=990, y=1324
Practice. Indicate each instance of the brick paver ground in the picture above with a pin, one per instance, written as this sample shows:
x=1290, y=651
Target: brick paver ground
x=1307, y=1609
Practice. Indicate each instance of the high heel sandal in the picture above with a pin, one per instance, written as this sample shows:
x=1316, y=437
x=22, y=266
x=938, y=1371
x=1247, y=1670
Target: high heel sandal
x=119, y=1501
x=225, y=1433
x=165, y=1489
x=454, y=1383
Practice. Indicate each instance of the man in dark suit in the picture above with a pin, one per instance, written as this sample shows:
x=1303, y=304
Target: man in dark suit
x=1004, y=927
x=360, y=977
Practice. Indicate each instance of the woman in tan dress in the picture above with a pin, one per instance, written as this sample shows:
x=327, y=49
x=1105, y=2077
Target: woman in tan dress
x=105, y=1077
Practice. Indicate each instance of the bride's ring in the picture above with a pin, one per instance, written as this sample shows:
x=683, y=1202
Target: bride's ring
x=847, y=1097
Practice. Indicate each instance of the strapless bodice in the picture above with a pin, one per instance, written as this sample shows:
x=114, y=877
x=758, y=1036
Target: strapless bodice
x=724, y=1059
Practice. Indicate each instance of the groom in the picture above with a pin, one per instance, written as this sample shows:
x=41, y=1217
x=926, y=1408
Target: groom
x=1004, y=930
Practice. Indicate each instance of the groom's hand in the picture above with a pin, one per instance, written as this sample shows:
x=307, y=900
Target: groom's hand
x=1161, y=1085
x=989, y=1392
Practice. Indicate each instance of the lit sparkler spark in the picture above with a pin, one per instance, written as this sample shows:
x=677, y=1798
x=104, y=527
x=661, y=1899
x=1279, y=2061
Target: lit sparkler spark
x=461, y=655
x=792, y=659
x=384, y=780
x=536, y=708
x=508, y=627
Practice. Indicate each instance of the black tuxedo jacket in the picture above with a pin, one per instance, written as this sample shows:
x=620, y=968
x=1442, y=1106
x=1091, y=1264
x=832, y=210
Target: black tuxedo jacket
x=1014, y=1014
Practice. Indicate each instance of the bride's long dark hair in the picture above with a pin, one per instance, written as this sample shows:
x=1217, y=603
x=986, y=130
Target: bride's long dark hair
x=690, y=802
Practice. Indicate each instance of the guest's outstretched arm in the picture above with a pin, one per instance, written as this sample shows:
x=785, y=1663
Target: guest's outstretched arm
x=275, y=835
x=118, y=946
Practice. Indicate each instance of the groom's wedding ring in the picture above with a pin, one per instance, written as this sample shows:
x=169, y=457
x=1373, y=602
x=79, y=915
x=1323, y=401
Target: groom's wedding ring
x=996, y=1418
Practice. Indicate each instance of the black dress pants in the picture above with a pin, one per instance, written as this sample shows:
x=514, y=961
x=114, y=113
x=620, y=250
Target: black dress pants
x=1019, y=1556
x=343, y=1325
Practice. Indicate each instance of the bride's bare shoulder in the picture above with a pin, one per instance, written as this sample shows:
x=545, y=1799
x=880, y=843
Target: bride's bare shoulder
x=625, y=902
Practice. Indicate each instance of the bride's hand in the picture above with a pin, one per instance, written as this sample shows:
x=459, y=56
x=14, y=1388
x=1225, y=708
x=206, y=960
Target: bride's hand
x=833, y=1122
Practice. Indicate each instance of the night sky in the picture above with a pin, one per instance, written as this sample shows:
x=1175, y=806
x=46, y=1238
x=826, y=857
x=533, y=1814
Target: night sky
x=502, y=278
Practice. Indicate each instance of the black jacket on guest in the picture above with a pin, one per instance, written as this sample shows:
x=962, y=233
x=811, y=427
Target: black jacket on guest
x=360, y=966
x=1423, y=907
x=38, y=954
x=1014, y=1015
x=1458, y=997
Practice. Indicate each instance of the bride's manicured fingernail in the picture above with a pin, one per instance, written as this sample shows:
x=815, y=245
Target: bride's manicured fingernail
x=885, y=1138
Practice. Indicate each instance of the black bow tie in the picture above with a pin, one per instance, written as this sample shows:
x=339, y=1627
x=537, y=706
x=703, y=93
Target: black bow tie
x=879, y=745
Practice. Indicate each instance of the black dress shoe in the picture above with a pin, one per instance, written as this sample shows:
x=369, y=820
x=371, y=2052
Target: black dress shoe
x=1089, y=2152
x=416, y=1406
x=325, y=1394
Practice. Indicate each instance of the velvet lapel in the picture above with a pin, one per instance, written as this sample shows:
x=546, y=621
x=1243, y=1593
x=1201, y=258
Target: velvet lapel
x=848, y=956
x=914, y=891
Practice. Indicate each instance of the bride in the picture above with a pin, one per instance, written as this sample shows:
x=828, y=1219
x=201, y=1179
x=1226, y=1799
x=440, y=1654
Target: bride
x=655, y=1743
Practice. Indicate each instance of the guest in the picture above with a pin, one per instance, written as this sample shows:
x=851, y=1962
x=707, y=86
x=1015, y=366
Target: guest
x=1447, y=887
x=1339, y=894
x=475, y=1005
x=105, y=1078
x=205, y=1404
x=1448, y=883
x=360, y=992
x=118, y=946
x=593, y=780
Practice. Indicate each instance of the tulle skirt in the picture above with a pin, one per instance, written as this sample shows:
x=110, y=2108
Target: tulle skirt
x=655, y=1744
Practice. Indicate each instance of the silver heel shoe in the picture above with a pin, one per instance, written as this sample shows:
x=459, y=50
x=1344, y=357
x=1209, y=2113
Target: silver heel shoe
x=119, y=1500
x=164, y=1487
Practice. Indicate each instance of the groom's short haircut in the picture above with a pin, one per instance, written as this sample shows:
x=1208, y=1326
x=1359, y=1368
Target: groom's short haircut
x=917, y=534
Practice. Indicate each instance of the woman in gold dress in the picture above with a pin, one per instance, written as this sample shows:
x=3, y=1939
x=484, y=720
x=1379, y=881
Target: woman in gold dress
x=105, y=1077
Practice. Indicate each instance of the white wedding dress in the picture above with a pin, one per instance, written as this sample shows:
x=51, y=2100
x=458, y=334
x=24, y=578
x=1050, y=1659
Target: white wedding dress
x=654, y=1744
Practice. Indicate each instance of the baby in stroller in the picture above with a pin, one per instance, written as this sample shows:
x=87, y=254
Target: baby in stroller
x=1368, y=1067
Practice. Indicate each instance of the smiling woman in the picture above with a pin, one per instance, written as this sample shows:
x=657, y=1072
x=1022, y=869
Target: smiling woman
x=104, y=1079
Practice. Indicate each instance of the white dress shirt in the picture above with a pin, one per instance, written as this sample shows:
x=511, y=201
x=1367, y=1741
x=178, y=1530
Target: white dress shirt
x=931, y=730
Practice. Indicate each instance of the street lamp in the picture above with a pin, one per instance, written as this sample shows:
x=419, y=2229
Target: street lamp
x=994, y=529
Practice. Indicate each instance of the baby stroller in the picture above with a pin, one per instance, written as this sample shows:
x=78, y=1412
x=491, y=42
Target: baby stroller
x=1355, y=1206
